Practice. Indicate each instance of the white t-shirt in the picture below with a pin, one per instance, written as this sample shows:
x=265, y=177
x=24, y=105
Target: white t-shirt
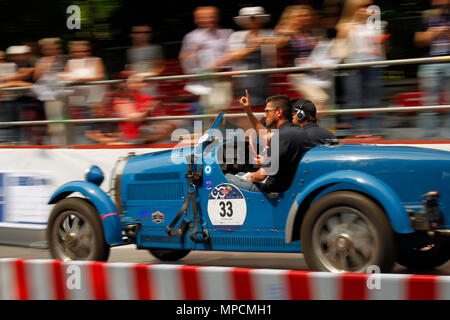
x=7, y=69
x=364, y=41
x=84, y=68
x=208, y=47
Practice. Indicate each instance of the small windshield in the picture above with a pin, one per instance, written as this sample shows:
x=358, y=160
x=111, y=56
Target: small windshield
x=210, y=132
x=223, y=128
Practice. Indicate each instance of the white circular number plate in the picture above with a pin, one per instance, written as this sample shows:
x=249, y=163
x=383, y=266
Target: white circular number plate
x=227, y=208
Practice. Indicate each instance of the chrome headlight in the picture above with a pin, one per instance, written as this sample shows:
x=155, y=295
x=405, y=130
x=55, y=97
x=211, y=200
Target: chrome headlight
x=95, y=175
x=116, y=178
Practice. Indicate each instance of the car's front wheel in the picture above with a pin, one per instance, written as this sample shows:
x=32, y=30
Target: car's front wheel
x=74, y=232
x=169, y=254
x=345, y=231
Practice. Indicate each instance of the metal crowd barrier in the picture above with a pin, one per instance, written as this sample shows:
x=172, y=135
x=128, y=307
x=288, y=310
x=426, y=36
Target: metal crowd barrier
x=229, y=115
x=263, y=71
x=246, y=72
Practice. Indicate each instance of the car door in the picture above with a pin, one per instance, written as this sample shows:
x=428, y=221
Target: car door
x=236, y=219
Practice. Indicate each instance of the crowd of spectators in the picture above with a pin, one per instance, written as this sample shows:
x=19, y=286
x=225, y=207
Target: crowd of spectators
x=341, y=32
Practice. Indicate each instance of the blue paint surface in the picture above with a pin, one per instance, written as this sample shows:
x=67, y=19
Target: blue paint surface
x=392, y=176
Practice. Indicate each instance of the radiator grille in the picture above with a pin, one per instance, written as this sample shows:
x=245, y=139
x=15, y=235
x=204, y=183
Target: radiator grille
x=157, y=176
x=155, y=191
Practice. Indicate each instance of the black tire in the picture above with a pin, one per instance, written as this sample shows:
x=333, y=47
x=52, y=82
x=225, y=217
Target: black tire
x=169, y=254
x=85, y=241
x=425, y=258
x=345, y=231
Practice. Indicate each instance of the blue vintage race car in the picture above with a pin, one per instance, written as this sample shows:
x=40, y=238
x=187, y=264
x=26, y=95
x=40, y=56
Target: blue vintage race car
x=347, y=208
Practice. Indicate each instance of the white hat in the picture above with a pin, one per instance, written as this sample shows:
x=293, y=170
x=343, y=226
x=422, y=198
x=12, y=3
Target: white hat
x=247, y=12
x=18, y=50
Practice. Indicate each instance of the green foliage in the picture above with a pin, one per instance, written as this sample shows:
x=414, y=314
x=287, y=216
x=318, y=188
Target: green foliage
x=96, y=19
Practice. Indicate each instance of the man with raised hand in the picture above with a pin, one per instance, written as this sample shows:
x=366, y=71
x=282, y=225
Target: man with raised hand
x=288, y=143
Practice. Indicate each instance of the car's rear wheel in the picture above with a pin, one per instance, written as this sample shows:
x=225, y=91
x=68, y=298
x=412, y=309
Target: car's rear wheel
x=427, y=257
x=75, y=232
x=345, y=231
x=169, y=254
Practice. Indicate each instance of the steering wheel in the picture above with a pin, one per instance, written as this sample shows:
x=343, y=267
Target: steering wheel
x=259, y=158
x=251, y=139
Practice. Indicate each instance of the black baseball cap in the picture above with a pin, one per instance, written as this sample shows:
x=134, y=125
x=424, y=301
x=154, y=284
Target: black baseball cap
x=306, y=105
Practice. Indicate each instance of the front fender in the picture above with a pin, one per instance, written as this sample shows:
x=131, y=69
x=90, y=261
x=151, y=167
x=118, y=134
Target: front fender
x=371, y=185
x=109, y=216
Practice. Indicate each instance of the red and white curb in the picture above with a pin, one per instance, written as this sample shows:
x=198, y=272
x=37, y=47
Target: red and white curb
x=57, y=280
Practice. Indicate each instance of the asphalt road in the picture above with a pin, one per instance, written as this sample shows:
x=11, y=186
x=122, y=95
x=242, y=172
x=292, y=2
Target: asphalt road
x=291, y=261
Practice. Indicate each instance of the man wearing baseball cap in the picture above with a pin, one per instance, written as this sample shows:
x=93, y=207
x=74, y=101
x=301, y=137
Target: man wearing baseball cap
x=304, y=115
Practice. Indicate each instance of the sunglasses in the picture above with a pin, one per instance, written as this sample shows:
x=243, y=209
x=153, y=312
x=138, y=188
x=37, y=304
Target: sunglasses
x=266, y=110
x=142, y=32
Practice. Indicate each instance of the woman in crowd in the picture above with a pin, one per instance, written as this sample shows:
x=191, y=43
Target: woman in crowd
x=308, y=45
x=360, y=41
x=48, y=70
x=83, y=67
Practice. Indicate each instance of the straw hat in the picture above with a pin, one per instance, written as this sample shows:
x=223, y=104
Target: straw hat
x=246, y=13
x=18, y=50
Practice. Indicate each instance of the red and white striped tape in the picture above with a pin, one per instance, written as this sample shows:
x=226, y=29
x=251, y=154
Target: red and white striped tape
x=57, y=280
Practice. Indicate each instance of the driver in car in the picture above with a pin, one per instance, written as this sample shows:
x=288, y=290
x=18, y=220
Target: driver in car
x=292, y=143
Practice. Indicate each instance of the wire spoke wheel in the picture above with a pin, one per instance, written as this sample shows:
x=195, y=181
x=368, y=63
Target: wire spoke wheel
x=75, y=236
x=344, y=231
x=74, y=232
x=344, y=240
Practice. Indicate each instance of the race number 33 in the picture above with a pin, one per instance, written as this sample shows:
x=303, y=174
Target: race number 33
x=227, y=208
x=224, y=206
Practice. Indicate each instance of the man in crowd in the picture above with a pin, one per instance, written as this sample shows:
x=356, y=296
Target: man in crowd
x=144, y=58
x=435, y=77
x=15, y=104
x=203, y=50
x=252, y=48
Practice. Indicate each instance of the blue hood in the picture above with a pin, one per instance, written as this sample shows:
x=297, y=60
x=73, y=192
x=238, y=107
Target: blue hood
x=410, y=171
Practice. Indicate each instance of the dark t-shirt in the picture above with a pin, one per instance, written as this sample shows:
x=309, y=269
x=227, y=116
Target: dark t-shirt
x=293, y=142
x=144, y=59
x=441, y=45
x=316, y=134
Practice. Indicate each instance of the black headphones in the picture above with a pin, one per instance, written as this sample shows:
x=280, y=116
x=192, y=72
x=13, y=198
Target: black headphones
x=300, y=112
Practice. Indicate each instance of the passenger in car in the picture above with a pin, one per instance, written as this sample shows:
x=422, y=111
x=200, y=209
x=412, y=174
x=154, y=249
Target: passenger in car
x=288, y=144
x=304, y=115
